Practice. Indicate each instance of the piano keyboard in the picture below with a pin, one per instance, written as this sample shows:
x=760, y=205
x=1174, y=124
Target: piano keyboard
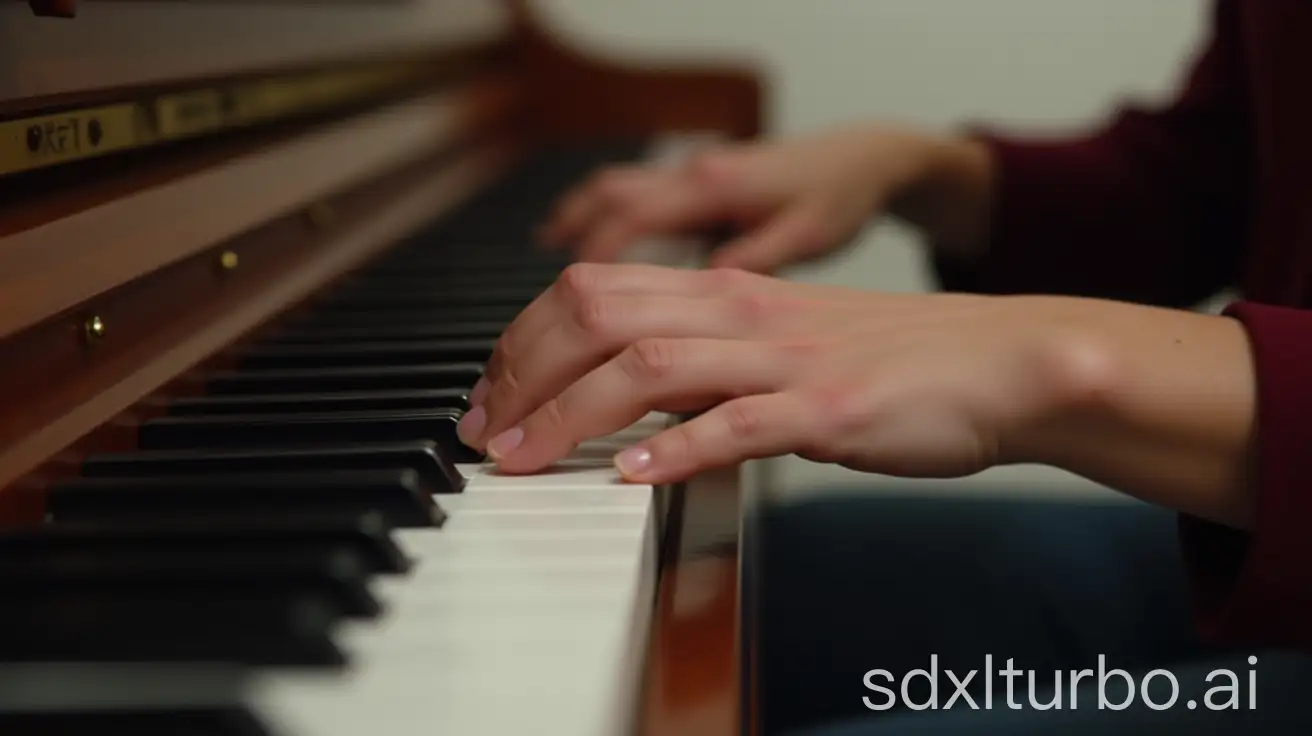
x=532, y=598
x=303, y=547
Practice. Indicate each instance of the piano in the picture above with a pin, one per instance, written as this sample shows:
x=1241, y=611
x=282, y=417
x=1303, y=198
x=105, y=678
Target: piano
x=252, y=258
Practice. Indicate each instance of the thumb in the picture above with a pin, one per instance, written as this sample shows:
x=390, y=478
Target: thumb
x=792, y=235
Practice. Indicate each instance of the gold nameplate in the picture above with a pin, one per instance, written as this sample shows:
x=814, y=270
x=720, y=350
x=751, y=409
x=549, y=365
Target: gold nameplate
x=53, y=138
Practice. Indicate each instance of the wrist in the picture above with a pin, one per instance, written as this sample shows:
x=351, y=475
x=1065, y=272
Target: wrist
x=1071, y=378
x=1157, y=403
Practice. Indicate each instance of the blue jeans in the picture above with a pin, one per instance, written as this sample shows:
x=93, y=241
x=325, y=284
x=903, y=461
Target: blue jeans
x=888, y=585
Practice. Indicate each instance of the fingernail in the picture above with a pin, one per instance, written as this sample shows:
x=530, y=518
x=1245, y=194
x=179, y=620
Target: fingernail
x=505, y=443
x=633, y=462
x=471, y=425
x=479, y=393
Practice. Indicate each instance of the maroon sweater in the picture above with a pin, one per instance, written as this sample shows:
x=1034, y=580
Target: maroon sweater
x=1169, y=206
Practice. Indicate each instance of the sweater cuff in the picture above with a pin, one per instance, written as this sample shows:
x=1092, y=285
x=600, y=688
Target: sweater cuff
x=1255, y=589
x=1030, y=190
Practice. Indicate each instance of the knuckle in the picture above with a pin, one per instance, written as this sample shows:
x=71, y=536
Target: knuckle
x=751, y=310
x=553, y=415
x=742, y=421
x=505, y=390
x=596, y=315
x=503, y=355
x=650, y=359
x=579, y=281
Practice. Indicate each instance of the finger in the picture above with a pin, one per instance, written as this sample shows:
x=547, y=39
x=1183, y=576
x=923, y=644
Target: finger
x=608, y=191
x=780, y=241
x=569, y=350
x=627, y=388
x=570, y=217
x=610, y=238
x=668, y=206
x=742, y=429
x=574, y=296
x=572, y=292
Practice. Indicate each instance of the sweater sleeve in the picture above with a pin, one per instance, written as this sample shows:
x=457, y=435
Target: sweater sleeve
x=1255, y=588
x=1152, y=208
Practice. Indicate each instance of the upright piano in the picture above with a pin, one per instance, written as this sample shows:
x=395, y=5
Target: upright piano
x=253, y=255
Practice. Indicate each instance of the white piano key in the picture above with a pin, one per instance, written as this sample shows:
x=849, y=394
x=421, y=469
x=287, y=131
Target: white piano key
x=521, y=614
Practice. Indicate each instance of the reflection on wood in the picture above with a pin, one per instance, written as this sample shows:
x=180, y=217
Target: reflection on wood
x=694, y=678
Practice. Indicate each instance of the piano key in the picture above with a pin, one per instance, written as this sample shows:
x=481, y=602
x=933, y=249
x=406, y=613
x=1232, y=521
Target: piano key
x=450, y=398
x=367, y=534
x=273, y=430
x=144, y=699
x=338, y=576
x=245, y=630
x=471, y=255
x=442, y=268
x=411, y=279
x=234, y=720
x=430, y=298
x=384, y=333
x=529, y=572
x=398, y=495
x=348, y=354
x=391, y=378
x=425, y=458
x=329, y=315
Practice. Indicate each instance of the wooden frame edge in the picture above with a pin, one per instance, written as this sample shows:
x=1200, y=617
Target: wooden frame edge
x=59, y=264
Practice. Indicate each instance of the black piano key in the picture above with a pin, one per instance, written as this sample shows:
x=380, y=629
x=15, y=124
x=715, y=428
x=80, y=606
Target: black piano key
x=367, y=534
x=320, y=403
x=438, y=278
x=328, y=315
x=384, y=333
x=430, y=298
x=448, y=268
x=272, y=430
x=144, y=699
x=321, y=380
x=338, y=576
x=436, y=471
x=398, y=495
x=251, y=630
x=351, y=354
x=233, y=720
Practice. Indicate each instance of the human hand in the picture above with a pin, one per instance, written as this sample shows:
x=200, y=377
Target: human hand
x=792, y=201
x=903, y=384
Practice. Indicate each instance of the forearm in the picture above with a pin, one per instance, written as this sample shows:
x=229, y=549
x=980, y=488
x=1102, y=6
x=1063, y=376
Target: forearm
x=1168, y=415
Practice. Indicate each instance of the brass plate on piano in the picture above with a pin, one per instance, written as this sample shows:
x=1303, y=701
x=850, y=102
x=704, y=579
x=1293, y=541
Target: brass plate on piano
x=44, y=140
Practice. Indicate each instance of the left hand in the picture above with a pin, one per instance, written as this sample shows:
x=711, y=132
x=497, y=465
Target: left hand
x=903, y=384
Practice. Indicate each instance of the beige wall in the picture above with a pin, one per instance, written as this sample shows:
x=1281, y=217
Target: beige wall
x=932, y=62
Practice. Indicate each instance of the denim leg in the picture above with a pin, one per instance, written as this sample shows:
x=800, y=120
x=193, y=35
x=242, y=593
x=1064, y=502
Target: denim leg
x=879, y=582
x=1268, y=698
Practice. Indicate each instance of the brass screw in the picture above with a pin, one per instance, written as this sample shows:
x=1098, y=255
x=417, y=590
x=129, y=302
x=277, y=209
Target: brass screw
x=94, y=329
x=228, y=260
x=320, y=215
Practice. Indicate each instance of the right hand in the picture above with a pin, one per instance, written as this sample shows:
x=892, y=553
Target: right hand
x=788, y=202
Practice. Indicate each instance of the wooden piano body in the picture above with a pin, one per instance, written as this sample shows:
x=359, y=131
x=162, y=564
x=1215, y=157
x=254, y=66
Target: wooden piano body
x=176, y=175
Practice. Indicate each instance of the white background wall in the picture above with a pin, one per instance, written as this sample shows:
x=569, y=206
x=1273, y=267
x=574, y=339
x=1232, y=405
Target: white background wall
x=1045, y=63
